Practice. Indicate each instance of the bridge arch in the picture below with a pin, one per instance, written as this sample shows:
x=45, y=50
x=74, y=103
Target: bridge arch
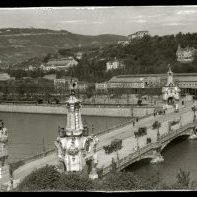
x=181, y=135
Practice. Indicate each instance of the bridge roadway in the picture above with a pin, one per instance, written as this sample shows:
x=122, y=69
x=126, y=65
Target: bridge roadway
x=126, y=133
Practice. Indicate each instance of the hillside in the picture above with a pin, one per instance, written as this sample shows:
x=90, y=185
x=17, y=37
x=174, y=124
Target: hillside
x=17, y=45
x=147, y=55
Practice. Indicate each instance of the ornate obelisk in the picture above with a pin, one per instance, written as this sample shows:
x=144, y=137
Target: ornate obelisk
x=74, y=147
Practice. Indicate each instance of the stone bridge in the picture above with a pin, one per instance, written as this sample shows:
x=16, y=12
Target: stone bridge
x=152, y=150
x=128, y=154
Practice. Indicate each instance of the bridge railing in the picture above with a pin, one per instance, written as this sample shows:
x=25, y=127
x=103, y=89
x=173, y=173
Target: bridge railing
x=138, y=153
x=121, y=125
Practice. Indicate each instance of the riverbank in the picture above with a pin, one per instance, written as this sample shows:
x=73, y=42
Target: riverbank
x=87, y=110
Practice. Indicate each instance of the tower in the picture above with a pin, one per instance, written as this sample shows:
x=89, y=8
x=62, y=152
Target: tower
x=4, y=167
x=75, y=148
x=170, y=91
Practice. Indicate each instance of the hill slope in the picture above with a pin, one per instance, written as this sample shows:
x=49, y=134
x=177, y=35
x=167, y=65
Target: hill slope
x=17, y=45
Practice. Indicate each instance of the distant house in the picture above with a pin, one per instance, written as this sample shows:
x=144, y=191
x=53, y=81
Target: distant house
x=61, y=64
x=138, y=35
x=64, y=82
x=185, y=55
x=4, y=76
x=79, y=55
x=59, y=83
x=100, y=86
x=123, y=43
x=82, y=86
x=50, y=77
x=42, y=67
x=31, y=68
x=114, y=64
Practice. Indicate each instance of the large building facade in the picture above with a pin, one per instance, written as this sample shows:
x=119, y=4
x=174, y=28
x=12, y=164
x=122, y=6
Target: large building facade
x=185, y=55
x=146, y=83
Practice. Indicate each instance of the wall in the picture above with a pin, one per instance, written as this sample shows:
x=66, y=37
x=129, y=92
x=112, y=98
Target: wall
x=111, y=111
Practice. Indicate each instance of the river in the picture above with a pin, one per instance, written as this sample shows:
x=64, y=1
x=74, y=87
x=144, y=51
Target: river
x=27, y=132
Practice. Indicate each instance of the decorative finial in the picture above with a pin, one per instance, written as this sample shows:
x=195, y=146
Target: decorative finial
x=169, y=68
x=73, y=87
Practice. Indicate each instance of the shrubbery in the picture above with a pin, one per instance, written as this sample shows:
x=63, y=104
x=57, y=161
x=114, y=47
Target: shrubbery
x=49, y=179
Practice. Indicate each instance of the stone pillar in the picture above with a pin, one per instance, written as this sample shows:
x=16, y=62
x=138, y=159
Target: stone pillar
x=158, y=158
x=194, y=134
x=93, y=173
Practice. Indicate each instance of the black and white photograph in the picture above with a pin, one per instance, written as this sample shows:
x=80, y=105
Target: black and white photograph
x=98, y=98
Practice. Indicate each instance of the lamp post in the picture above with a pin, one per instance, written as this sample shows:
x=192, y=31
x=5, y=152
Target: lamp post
x=158, y=133
x=194, y=108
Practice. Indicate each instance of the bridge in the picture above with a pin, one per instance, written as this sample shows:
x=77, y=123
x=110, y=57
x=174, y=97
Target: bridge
x=133, y=149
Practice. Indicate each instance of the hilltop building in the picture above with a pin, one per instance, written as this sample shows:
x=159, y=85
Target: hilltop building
x=123, y=43
x=79, y=55
x=185, y=55
x=61, y=64
x=4, y=76
x=138, y=35
x=76, y=148
x=110, y=65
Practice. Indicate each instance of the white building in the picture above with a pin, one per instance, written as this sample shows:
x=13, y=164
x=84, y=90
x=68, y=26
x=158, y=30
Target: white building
x=4, y=76
x=61, y=64
x=138, y=35
x=100, y=86
x=185, y=55
x=113, y=65
x=123, y=43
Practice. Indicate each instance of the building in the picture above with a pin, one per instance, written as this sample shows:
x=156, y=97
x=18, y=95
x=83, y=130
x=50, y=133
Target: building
x=185, y=55
x=30, y=68
x=101, y=86
x=59, y=83
x=110, y=65
x=170, y=92
x=4, y=76
x=79, y=55
x=82, y=86
x=61, y=64
x=153, y=83
x=138, y=35
x=50, y=77
x=123, y=43
x=64, y=82
x=76, y=149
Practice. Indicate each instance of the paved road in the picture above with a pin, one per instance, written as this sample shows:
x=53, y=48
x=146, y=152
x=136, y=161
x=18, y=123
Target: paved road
x=126, y=133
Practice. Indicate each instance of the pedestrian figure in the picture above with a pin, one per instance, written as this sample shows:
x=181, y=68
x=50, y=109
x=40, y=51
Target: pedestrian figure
x=136, y=119
x=133, y=123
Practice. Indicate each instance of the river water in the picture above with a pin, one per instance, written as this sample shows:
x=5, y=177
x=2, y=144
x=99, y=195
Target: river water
x=28, y=131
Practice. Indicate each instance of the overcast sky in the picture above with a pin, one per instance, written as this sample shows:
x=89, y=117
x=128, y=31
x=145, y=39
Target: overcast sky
x=104, y=20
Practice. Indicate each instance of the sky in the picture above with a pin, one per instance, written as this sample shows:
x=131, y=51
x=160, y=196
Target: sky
x=123, y=20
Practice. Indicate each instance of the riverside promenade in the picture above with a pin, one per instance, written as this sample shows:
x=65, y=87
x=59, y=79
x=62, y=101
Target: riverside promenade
x=128, y=152
x=87, y=110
